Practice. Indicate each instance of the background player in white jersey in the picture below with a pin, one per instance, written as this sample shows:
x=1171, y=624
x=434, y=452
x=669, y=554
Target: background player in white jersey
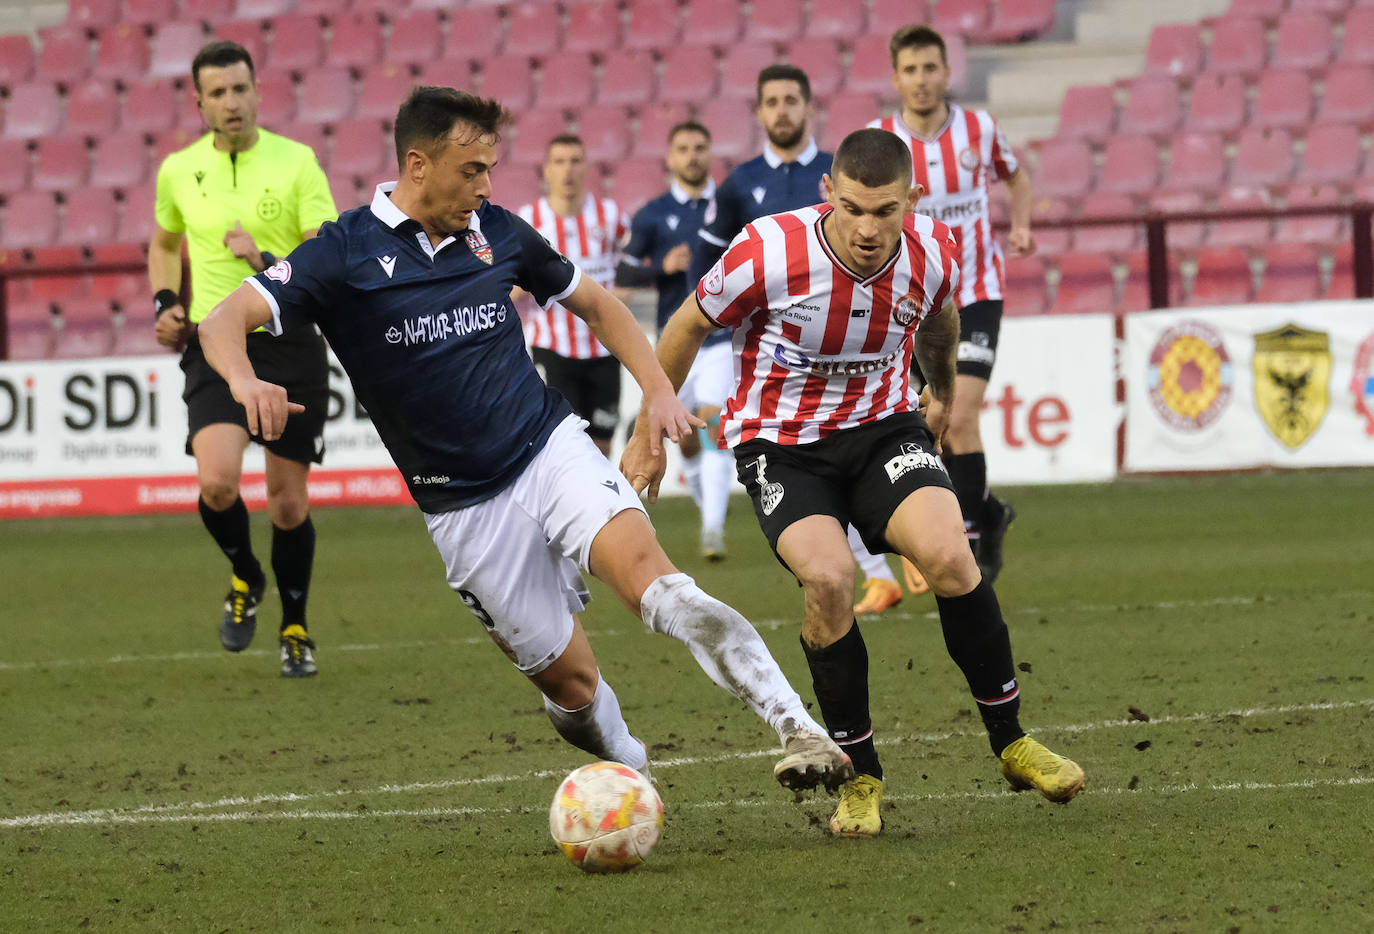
x=954, y=154
x=824, y=426
x=588, y=230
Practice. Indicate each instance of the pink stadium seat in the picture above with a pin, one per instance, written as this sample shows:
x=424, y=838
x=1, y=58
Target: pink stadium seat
x=775, y=20
x=91, y=14
x=821, y=60
x=38, y=227
x=247, y=33
x=718, y=22
x=297, y=43
x=58, y=288
x=1049, y=241
x=136, y=223
x=655, y=121
x=16, y=60
x=1342, y=284
x=1180, y=235
x=1217, y=104
x=1025, y=292
x=839, y=20
x=740, y=67
x=1292, y=273
x=637, y=181
x=278, y=106
x=148, y=13
x=1238, y=46
x=733, y=129
x=92, y=107
x=1174, y=50
x=1223, y=277
x=1085, y=284
x=1153, y=106
x=1020, y=20
x=384, y=88
x=355, y=41
x=887, y=16
x=130, y=287
x=1130, y=165
x=456, y=72
x=1332, y=154
x=120, y=160
x=34, y=110
x=344, y=190
x=967, y=18
x=1303, y=39
x=415, y=38
x=1267, y=10
x=533, y=130
x=261, y=9
x=61, y=163
x=568, y=80
x=14, y=165
x=87, y=329
x=173, y=47
x=1088, y=111
x=325, y=95
x=121, y=53
x=1135, y=291
x=532, y=29
x=1107, y=239
x=653, y=24
x=1250, y=234
x=134, y=336
x=314, y=135
x=169, y=141
x=593, y=26
x=690, y=72
x=1065, y=168
x=1313, y=228
x=33, y=329
x=209, y=12
x=627, y=77
x=1329, y=7
x=871, y=67
x=475, y=24
x=1284, y=99
x=1349, y=95
x=64, y=58
x=362, y=148
x=842, y=113
x=606, y=131
x=1263, y=157
x=89, y=218
x=1197, y=160
x=510, y=80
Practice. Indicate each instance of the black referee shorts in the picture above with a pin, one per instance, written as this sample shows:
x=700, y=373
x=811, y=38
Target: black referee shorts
x=297, y=361
x=592, y=387
x=859, y=476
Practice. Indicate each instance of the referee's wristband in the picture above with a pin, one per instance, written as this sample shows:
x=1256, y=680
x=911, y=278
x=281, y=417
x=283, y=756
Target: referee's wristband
x=268, y=260
x=164, y=299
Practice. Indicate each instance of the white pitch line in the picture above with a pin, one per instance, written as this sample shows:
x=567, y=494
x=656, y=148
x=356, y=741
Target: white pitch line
x=207, y=809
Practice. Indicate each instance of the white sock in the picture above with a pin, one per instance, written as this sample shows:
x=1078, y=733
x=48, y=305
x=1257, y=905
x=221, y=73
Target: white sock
x=727, y=648
x=599, y=728
x=717, y=480
x=872, y=565
x=691, y=475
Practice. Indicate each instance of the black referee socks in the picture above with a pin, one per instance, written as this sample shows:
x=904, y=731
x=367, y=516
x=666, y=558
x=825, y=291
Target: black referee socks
x=230, y=530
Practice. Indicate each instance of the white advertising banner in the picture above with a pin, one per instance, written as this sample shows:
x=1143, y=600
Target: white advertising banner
x=1250, y=386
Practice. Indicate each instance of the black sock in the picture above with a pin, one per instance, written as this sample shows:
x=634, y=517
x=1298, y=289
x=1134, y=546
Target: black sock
x=839, y=675
x=977, y=639
x=293, y=556
x=230, y=530
x=969, y=475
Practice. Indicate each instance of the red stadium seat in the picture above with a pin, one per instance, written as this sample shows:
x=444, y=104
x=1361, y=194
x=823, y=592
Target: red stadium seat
x=842, y=113
x=690, y=75
x=174, y=46
x=344, y=190
x=1223, y=277
x=415, y=38
x=169, y=141
x=887, y=16
x=1180, y=235
x=136, y=223
x=36, y=212
x=120, y=160
x=247, y=33
x=1267, y=10
x=362, y=148
x=1115, y=238
x=61, y=163
x=325, y=95
x=1342, y=284
x=653, y=24
x=478, y=26
x=384, y=88
x=1049, y=241
x=209, y=12
x=718, y=22
x=655, y=122
x=314, y=135
x=33, y=328
x=1197, y=160
x=1174, y=50
x=1135, y=290
x=1238, y=46
x=1025, y=292
x=532, y=29
x=1263, y=157
x=967, y=18
x=278, y=107
x=774, y=20
x=34, y=110
x=14, y=165
x=92, y=107
x=1065, y=168
x=637, y=181
x=870, y=69
x=822, y=62
x=1303, y=39
x=64, y=58
x=297, y=43
x=1130, y=165
x=148, y=13
x=1313, y=228
x=134, y=336
x=533, y=130
x=87, y=329
x=1217, y=104
x=16, y=60
x=1020, y=20
x=1086, y=284
x=1292, y=273
x=605, y=130
x=1349, y=95
x=1332, y=154
x=1088, y=111
x=121, y=53
x=1250, y=234
x=593, y=26
x=568, y=81
x=510, y=80
x=456, y=72
x=740, y=68
x=1284, y=99
x=1329, y=7
x=628, y=77
x=1153, y=106
x=840, y=20
x=733, y=129
x=355, y=41
x=89, y=218
x=92, y=14
x=261, y=9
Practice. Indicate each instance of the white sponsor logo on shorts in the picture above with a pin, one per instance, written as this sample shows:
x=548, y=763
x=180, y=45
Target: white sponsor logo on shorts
x=912, y=456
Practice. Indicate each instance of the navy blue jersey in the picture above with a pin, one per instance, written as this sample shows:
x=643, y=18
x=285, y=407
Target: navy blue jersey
x=430, y=339
x=671, y=219
x=762, y=186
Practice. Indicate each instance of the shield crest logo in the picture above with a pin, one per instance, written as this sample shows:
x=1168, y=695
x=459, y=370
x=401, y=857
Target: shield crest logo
x=479, y=246
x=1292, y=366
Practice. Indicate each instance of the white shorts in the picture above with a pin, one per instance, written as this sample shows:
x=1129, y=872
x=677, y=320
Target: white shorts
x=514, y=558
x=712, y=378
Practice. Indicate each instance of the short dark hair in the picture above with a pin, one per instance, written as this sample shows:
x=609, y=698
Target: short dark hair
x=917, y=36
x=688, y=126
x=428, y=114
x=783, y=73
x=564, y=139
x=873, y=158
x=220, y=54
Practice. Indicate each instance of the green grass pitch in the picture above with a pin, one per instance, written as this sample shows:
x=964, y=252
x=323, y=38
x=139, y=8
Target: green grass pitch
x=150, y=781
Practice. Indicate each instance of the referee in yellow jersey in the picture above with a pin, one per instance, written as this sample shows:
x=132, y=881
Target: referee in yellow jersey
x=241, y=195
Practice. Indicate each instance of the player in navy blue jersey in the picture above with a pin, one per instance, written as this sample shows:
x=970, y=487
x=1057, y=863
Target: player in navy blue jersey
x=662, y=235
x=413, y=294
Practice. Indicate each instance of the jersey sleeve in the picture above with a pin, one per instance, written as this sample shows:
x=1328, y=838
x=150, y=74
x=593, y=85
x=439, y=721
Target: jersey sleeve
x=1004, y=162
x=642, y=230
x=165, y=210
x=733, y=288
x=723, y=218
x=314, y=202
x=302, y=288
x=543, y=272
x=942, y=264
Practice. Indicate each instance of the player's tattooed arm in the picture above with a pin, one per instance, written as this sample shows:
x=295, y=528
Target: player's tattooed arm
x=937, y=343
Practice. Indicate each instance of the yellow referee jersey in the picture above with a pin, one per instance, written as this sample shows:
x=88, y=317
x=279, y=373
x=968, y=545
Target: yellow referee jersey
x=276, y=190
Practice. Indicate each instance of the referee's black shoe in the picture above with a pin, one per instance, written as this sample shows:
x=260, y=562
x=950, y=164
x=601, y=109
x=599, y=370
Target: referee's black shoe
x=997, y=518
x=240, y=615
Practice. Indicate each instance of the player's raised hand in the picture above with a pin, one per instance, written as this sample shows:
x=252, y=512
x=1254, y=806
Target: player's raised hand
x=266, y=406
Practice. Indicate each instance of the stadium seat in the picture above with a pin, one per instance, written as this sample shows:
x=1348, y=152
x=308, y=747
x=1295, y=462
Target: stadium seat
x=887, y=16
x=1088, y=112
x=740, y=67
x=842, y=113
x=480, y=25
x=870, y=67
x=297, y=43
x=655, y=121
x=1323, y=229
x=33, y=110
x=652, y=24
x=1292, y=273
x=209, y=12
x=1263, y=157
x=355, y=41
x=1049, y=241
x=1130, y=165
x=136, y=221
x=92, y=14
x=1349, y=96
x=247, y=33
x=1217, y=104
x=314, y=135
x=568, y=80
x=822, y=61
x=518, y=185
x=384, y=88
x=134, y=336
x=1115, y=238
x=1250, y=234
x=37, y=212
x=967, y=18
x=1238, y=46
x=33, y=326
x=16, y=60
x=1303, y=39
x=1329, y=7
x=173, y=47
x=534, y=128
x=690, y=72
x=627, y=77
x=637, y=181
x=1153, y=106
x=121, y=53
x=125, y=287
x=58, y=288
x=717, y=22
x=1086, y=284
x=842, y=20
x=1020, y=21
x=325, y=95
x=120, y=160
x=1283, y=99
x=1174, y=50
x=1223, y=277
x=415, y=38
x=87, y=329
x=148, y=13
x=510, y=80
x=1342, y=284
x=1266, y=10
x=1180, y=235
x=64, y=58
x=89, y=217
x=61, y=163
x=774, y=20
x=169, y=141
x=1332, y=153
x=262, y=9
x=733, y=129
x=14, y=165
x=1197, y=160
x=1025, y=292
x=593, y=26
x=456, y=72
x=361, y=148
x=532, y=29
x=605, y=129
x=344, y=189
x=1135, y=288
x=1065, y=168
x=92, y=107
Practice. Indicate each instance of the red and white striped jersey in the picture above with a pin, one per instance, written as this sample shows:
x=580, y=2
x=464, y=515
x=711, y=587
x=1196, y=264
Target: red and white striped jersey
x=592, y=240
x=953, y=167
x=817, y=348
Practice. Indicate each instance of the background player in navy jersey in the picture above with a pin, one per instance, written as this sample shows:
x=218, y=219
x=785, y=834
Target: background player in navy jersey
x=660, y=249
x=413, y=294
x=824, y=307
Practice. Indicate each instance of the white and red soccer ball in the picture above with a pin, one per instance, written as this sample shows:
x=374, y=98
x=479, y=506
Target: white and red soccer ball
x=606, y=817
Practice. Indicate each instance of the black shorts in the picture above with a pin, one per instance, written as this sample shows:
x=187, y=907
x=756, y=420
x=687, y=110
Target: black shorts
x=592, y=387
x=979, y=325
x=297, y=360
x=859, y=475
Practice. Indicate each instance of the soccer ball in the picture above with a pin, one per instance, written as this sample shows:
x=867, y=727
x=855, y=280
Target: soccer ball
x=606, y=817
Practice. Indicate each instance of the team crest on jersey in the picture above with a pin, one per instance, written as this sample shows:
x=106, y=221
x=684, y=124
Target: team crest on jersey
x=1292, y=366
x=907, y=311
x=281, y=272
x=479, y=246
x=714, y=283
x=672, y=221
x=1362, y=383
x=969, y=160
x=1189, y=376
